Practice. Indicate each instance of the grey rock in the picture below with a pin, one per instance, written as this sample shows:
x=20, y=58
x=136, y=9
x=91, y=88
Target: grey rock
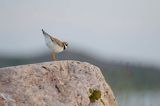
x=58, y=83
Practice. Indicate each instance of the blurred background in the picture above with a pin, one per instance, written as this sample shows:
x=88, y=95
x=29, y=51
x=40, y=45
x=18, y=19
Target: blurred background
x=122, y=37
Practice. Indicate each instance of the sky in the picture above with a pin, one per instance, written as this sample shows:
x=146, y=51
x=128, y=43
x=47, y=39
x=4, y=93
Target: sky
x=127, y=30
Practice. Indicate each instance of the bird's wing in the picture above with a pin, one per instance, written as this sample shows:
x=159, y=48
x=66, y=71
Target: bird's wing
x=53, y=38
x=57, y=41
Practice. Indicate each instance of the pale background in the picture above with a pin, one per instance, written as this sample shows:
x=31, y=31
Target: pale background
x=118, y=29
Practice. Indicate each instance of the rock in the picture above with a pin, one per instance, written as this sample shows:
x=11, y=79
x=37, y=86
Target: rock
x=58, y=83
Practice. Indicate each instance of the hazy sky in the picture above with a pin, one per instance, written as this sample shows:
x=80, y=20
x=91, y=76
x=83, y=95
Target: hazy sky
x=122, y=29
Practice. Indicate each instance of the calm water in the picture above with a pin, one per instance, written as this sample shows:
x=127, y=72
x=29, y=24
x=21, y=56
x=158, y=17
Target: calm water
x=138, y=98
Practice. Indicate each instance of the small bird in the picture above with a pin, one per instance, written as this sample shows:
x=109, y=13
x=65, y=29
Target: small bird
x=54, y=44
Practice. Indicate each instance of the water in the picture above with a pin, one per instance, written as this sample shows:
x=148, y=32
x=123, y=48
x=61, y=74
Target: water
x=138, y=98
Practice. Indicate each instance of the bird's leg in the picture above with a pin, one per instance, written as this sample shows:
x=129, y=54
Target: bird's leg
x=53, y=56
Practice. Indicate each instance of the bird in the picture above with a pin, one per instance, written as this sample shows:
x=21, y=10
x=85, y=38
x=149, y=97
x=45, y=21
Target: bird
x=54, y=44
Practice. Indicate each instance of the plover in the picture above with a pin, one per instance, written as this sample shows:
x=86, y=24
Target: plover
x=54, y=44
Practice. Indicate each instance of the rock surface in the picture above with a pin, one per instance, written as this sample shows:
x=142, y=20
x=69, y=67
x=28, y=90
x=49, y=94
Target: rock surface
x=58, y=83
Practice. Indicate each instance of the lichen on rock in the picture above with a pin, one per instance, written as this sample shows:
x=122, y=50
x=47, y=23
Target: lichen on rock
x=95, y=95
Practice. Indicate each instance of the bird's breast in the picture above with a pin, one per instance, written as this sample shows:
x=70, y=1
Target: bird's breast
x=53, y=46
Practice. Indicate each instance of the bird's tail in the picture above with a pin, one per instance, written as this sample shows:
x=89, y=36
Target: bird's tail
x=45, y=33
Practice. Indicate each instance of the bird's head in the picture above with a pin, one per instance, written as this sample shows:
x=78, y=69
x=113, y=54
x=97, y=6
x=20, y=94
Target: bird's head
x=65, y=45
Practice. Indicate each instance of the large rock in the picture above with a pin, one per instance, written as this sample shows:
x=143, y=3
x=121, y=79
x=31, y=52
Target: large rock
x=59, y=83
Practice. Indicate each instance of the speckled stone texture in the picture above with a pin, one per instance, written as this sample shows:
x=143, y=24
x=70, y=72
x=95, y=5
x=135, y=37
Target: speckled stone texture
x=57, y=83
